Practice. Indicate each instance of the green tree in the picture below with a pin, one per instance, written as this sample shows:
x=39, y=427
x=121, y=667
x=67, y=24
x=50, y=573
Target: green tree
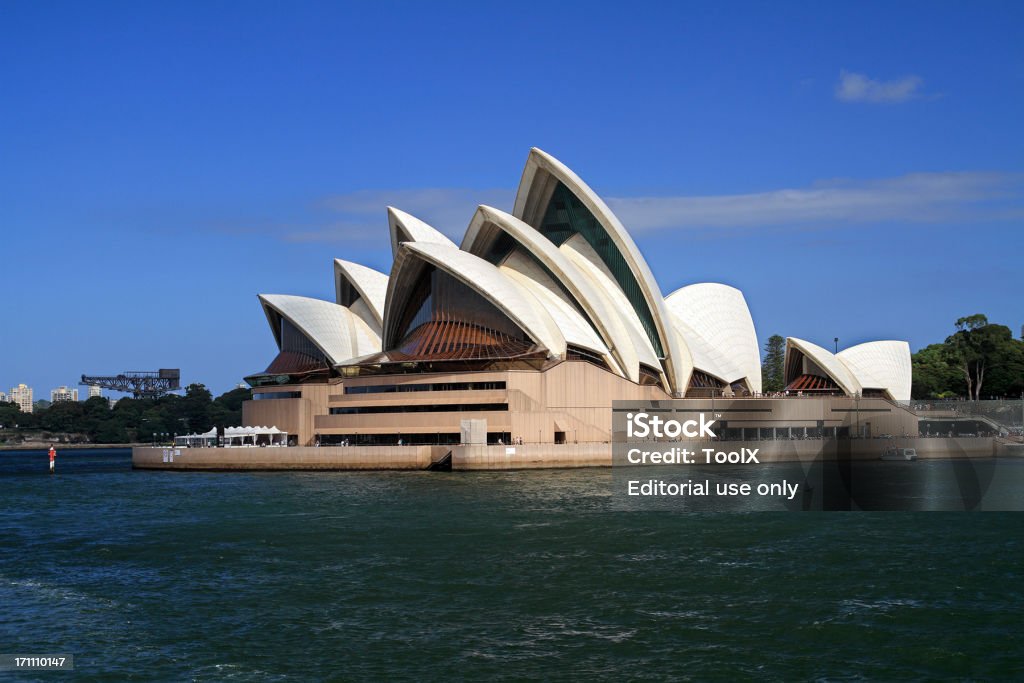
x=194, y=412
x=227, y=408
x=10, y=415
x=773, y=369
x=64, y=416
x=974, y=348
x=933, y=376
x=1005, y=370
x=95, y=414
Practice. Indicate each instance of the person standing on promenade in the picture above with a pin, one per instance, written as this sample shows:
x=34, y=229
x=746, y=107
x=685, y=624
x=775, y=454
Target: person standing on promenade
x=53, y=457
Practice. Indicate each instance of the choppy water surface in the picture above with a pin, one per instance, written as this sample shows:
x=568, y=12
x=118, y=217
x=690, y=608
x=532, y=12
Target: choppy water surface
x=210, y=576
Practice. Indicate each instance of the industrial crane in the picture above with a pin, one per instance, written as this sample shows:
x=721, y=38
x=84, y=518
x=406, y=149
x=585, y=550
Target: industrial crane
x=140, y=384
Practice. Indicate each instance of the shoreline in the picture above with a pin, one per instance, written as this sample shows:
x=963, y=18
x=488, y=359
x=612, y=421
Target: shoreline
x=45, y=445
x=520, y=457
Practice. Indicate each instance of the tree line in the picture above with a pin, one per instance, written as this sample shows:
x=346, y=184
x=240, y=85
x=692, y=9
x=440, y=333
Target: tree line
x=979, y=360
x=130, y=420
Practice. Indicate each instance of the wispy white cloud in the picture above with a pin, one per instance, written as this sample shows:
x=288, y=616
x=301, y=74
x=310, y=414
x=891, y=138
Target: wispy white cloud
x=855, y=87
x=447, y=209
x=359, y=218
x=917, y=197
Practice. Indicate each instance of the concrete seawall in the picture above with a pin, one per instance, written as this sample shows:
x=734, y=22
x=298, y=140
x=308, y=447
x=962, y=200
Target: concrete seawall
x=529, y=456
x=374, y=457
x=295, y=458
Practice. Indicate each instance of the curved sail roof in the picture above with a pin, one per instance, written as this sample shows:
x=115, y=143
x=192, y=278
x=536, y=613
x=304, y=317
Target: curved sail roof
x=405, y=227
x=483, y=238
x=705, y=356
x=371, y=286
x=520, y=267
x=719, y=320
x=881, y=365
x=580, y=253
x=560, y=271
x=510, y=297
x=542, y=179
x=335, y=330
x=827, y=362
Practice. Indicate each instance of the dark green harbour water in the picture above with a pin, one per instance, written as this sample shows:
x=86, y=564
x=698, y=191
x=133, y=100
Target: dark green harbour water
x=175, y=576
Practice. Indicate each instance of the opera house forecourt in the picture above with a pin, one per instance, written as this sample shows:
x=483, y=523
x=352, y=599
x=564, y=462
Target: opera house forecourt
x=510, y=348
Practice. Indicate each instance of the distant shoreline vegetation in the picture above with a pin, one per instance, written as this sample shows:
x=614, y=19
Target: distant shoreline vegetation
x=130, y=420
x=981, y=360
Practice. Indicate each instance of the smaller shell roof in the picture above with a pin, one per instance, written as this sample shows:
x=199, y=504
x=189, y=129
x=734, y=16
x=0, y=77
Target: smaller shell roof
x=881, y=365
x=405, y=227
x=335, y=330
x=718, y=316
x=372, y=285
x=706, y=356
x=825, y=360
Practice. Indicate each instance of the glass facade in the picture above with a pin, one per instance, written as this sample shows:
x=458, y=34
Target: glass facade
x=574, y=352
x=649, y=376
x=294, y=341
x=275, y=394
x=347, y=293
x=566, y=216
x=298, y=361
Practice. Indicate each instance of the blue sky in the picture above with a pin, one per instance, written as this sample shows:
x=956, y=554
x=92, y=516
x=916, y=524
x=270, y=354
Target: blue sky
x=857, y=169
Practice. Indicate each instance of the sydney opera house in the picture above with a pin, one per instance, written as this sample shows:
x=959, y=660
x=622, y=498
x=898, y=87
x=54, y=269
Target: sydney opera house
x=535, y=323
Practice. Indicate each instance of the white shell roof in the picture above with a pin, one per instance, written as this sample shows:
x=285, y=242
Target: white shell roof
x=582, y=255
x=574, y=326
x=706, y=356
x=703, y=326
x=613, y=332
x=881, y=365
x=405, y=227
x=372, y=285
x=824, y=359
x=505, y=293
x=718, y=316
x=334, y=329
x=540, y=160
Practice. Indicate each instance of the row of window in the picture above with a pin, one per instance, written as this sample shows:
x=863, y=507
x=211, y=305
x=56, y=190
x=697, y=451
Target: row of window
x=435, y=386
x=276, y=394
x=427, y=408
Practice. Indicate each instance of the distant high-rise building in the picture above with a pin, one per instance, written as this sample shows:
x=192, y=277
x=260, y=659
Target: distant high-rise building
x=22, y=395
x=63, y=394
x=3, y=397
x=95, y=391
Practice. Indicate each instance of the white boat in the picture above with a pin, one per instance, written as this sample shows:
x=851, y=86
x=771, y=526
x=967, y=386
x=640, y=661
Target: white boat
x=901, y=454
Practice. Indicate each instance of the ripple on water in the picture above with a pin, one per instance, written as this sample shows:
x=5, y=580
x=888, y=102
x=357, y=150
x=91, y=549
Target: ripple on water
x=211, y=576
